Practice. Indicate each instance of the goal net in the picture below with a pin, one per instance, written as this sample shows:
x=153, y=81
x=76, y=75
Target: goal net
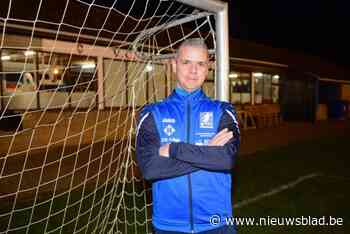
x=74, y=75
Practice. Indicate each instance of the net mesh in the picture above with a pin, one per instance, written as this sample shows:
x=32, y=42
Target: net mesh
x=74, y=75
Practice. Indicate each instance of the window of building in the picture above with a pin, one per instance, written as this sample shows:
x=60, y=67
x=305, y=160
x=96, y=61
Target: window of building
x=266, y=88
x=19, y=80
x=66, y=80
x=36, y=79
x=61, y=72
x=240, y=87
x=275, y=88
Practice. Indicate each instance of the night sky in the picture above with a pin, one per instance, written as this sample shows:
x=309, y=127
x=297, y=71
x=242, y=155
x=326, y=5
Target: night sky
x=314, y=27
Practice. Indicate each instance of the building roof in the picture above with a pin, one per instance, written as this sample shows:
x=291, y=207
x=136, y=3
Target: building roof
x=294, y=60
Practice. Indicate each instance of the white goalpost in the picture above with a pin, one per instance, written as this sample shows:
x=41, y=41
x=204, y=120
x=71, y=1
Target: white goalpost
x=74, y=75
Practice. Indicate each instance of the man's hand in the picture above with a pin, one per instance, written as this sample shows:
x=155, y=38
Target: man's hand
x=164, y=150
x=221, y=138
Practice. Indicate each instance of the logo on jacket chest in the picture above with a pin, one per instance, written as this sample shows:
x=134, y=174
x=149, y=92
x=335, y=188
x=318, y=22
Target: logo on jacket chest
x=168, y=126
x=206, y=120
x=169, y=130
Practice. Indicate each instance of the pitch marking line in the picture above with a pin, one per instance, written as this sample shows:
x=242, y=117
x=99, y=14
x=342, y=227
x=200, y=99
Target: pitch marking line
x=275, y=191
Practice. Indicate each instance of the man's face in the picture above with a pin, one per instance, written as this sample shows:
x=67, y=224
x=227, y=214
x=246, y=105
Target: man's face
x=191, y=66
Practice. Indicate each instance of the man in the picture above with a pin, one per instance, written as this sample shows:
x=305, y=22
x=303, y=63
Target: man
x=186, y=145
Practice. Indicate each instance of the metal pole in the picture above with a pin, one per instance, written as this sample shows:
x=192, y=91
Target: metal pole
x=100, y=84
x=252, y=89
x=222, y=56
x=208, y=5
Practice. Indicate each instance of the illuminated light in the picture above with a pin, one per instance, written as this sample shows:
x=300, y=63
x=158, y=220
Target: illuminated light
x=88, y=66
x=29, y=53
x=55, y=71
x=233, y=75
x=276, y=77
x=5, y=58
x=149, y=68
x=257, y=74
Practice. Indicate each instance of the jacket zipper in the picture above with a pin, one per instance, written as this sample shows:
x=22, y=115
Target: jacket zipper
x=189, y=176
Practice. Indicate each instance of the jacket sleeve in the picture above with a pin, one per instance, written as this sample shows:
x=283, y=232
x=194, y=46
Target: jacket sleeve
x=152, y=165
x=216, y=158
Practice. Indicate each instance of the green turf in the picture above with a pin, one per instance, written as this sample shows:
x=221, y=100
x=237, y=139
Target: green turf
x=78, y=210
x=325, y=195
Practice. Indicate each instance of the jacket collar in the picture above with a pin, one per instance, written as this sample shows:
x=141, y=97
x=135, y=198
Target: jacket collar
x=181, y=96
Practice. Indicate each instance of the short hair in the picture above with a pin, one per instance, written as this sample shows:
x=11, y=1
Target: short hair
x=193, y=42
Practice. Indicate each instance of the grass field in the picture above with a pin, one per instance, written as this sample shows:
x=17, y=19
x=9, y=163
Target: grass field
x=323, y=194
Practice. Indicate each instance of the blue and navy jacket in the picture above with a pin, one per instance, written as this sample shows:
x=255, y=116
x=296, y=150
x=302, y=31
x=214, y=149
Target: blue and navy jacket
x=194, y=183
